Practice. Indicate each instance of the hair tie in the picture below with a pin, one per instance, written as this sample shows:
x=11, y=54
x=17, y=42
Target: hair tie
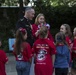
x=22, y=30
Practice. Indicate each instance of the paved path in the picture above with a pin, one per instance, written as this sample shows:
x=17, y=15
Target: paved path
x=10, y=67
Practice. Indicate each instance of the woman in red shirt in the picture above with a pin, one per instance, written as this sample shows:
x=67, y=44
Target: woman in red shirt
x=22, y=52
x=3, y=60
x=40, y=21
x=44, y=51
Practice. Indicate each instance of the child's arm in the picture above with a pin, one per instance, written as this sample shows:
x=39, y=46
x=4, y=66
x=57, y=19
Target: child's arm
x=53, y=59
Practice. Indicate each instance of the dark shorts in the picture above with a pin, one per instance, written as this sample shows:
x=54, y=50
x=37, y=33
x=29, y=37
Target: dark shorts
x=61, y=71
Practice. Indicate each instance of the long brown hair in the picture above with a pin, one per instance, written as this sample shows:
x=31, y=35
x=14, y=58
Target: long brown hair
x=19, y=39
x=43, y=31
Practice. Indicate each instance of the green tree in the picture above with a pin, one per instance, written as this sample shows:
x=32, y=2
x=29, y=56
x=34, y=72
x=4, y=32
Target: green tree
x=63, y=2
x=58, y=2
x=12, y=2
x=26, y=2
x=1, y=1
x=44, y=2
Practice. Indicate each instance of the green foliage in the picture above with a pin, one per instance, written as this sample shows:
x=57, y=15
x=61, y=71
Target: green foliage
x=45, y=2
x=63, y=2
x=7, y=25
x=10, y=3
x=58, y=2
x=1, y=1
x=55, y=16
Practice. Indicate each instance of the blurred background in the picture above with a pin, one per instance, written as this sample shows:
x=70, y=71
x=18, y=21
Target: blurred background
x=56, y=13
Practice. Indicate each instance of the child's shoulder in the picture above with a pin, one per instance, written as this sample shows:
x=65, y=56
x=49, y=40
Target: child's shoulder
x=37, y=40
x=67, y=38
x=48, y=40
x=25, y=43
x=74, y=39
x=2, y=52
x=66, y=47
x=34, y=25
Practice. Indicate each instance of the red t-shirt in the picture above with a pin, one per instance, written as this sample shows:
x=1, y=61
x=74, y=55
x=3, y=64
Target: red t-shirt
x=37, y=27
x=26, y=53
x=74, y=49
x=69, y=42
x=44, y=49
x=3, y=60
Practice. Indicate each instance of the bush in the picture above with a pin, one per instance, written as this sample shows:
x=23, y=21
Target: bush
x=55, y=16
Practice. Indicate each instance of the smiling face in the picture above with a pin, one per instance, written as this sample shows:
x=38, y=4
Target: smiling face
x=63, y=29
x=31, y=14
x=41, y=19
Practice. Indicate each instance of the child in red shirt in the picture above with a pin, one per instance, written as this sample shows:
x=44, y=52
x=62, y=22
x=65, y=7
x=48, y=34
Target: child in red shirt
x=45, y=51
x=74, y=52
x=3, y=60
x=40, y=21
x=22, y=52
